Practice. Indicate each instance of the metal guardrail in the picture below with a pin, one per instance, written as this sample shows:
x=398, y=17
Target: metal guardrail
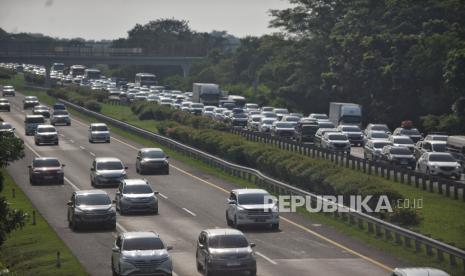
x=440, y=185
x=378, y=227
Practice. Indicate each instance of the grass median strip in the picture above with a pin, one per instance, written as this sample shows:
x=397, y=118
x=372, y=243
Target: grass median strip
x=33, y=249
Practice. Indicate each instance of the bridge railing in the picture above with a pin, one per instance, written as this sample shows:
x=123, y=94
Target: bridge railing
x=422, y=244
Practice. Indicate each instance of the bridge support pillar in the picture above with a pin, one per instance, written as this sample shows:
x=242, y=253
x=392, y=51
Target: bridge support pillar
x=185, y=70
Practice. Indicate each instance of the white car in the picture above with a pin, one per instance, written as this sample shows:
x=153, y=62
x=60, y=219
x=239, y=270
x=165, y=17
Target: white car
x=337, y=141
x=402, y=141
x=99, y=132
x=439, y=163
x=46, y=134
x=252, y=207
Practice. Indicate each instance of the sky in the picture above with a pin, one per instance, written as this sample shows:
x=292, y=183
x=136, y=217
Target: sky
x=111, y=19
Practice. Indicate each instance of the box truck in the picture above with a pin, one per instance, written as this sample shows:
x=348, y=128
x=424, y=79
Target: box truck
x=345, y=113
x=206, y=93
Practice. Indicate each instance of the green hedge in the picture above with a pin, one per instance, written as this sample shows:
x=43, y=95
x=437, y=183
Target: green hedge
x=85, y=97
x=6, y=73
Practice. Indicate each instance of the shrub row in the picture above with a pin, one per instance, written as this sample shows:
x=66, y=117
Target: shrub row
x=90, y=99
x=6, y=73
x=37, y=79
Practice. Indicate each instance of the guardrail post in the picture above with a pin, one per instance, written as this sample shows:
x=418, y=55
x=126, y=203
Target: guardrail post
x=452, y=260
x=408, y=242
x=440, y=254
x=382, y=172
x=360, y=223
x=364, y=165
x=388, y=173
x=351, y=219
x=387, y=234
x=398, y=238
x=378, y=231
x=448, y=188
x=431, y=184
x=332, y=156
x=369, y=167
x=370, y=227
x=347, y=161
x=417, y=246
x=13, y=193
x=456, y=190
x=358, y=164
x=352, y=162
x=33, y=217
x=409, y=178
x=440, y=183
x=429, y=249
x=423, y=182
x=402, y=177
x=396, y=179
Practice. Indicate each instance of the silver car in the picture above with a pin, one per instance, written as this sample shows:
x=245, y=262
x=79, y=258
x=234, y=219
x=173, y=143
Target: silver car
x=439, y=163
x=150, y=160
x=418, y=271
x=99, y=132
x=140, y=253
x=46, y=134
x=224, y=250
x=136, y=195
x=60, y=117
x=91, y=207
x=107, y=171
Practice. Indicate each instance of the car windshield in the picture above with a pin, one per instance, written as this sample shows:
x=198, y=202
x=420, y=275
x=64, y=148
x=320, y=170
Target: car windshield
x=379, y=135
x=3, y=101
x=153, y=154
x=252, y=199
x=35, y=120
x=256, y=119
x=93, y=199
x=284, y=125
x=30, y=98
x=351, y=129
x=337, y=137
x=439, y=138
x=308, y=129
x=380, y=145
x=380, y=128
x=240, y=115
x=197, y=105
x=441, y=158
x=267, y=122
x=326, y=125
x=401, y=151
x=252, y=106
x=60, y=112
x=144, y=243
x=99, y=128
x=320, y=116
x=137, y=189
x=412, y=131
x=270, y=114
x=228, y=241
x=281, y=111
x=45, y=129
x=40, y=163
x=111, y=165
x=403, y=140
x=5, y=126
x=439, y=147
x=292, y=119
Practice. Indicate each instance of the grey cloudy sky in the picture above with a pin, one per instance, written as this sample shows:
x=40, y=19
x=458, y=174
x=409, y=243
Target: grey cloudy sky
x=110, y=19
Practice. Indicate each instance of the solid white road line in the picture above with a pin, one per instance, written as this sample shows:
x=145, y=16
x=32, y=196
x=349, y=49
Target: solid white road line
x=266, y=258
x=91, y=153
x=190, y=212
x=162, y=195
x=81, y=147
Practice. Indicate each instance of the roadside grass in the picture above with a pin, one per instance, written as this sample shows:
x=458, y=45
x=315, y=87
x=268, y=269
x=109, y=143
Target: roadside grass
x=440, y=214
x=32, y=250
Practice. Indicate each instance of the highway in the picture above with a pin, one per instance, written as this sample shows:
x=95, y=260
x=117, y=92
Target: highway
x=190, y=201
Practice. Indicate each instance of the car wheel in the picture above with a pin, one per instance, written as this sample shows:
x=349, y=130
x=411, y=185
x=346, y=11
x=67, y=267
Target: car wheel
x=74, y=225
x=253, y=272
x=56, y=143
x=68, y=124
x=36, y=142
x=91, y=141
x=235, y=225
x=275, y=226
x=206, y=272
x=108, y=141
x=155, y=211
x=137, y=169
x=228, y=221
x=61, y=181
x=167, y=171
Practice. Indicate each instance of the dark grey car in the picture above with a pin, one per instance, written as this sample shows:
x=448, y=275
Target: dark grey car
x=151, y=160
x=91, y=208
x=224, y=250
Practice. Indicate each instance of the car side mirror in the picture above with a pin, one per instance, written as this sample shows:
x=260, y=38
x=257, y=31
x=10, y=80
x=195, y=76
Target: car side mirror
x=252, y=244
x=113, y=201
x=167, y=157
x=125, y=168
x=156, y=192
x=29, y=166
x=92, y=169
x=169, y=247
x=138, y=157
x=201, y=246
x=69, y=203
x=230, y=201
x=13, y=128
x=115, y=249
x=63, y=165
x=118, y=192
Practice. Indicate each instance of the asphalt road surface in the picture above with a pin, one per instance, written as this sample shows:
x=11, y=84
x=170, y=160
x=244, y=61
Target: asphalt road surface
x=189, y=202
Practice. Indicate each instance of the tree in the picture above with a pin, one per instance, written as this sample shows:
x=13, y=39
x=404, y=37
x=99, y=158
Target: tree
x=11, y=149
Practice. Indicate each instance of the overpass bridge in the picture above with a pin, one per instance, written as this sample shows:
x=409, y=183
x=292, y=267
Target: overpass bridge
x=92, y=56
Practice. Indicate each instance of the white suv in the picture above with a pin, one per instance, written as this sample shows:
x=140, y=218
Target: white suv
x=439, y=163
x=251, y=207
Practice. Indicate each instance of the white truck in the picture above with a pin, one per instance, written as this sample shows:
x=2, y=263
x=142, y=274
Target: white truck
x=206, y=93
x=345, y=113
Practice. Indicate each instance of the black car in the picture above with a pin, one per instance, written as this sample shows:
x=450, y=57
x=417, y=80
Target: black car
x=91, y=208
x=30, y=101
x=239, y=119
x=46, y=170
x=6, y=129
x=305, y=131
x=151, y=160
x=398, y=156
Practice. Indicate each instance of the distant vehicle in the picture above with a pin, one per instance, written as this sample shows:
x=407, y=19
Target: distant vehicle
x=429, y=146
x=373, y=149
x=290, y=118
x=77, y=70
x=60, y=117
x=251, y=106
x=325, y=124
x=196, y=108
x=6, y=129
x=353, y=132
x=5, y=105
x=136, y=195
x=238, y=100
x=345, y=113
x=336, y=141
x=41, y=110
x=398, y=156
x=46, y=134
x=281, y=112
x=238, y=120
x=377, y=127
x=99, y=132
x=320, y=133
x=107, y=171
x=31, y=122
x=140, y=253
x=151, y=160
x=145, y=79
x=318, y=116
x=418, y=271
x=46, y=170
x=456, y=144
x=305, y=130
x=58, y=67
x=439, y=163
x=206, y=93
x=91, y=207
x=30, y=101
x=224, y=250
x=402, y=141
x=267, y=109
x=436, y=137
x=92, y=74
x=253, y=122
x=8, y=90
x=413, y=133
x=269, y=114
x=266, y=124
x=59, y=106
x=283, y=129
x=375, y=135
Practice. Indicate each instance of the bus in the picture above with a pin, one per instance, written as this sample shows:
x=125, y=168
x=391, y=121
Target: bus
x=239, y=100
x=58, y=67
x=77, y=70
x=92, y=74
x=145, y=79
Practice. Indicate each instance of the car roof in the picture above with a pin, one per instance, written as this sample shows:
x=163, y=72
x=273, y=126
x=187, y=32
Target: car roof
x=139, y=234
x=222, y=232
x=420, y=271
x=135, y=182
x=45, y=158
x=438, y=153
x=44, y=126
x=106, y=159
x=90, y=192
x=151, y=149
x=397, y=147
x=400, y=136
x=34, y=116
x=98, y=124
x=434, y=142
x=249, y=191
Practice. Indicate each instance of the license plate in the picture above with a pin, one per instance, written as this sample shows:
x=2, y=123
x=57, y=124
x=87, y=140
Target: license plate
x=48, y=177
x=259, y=220
x=233, y=263
x=404, y=162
